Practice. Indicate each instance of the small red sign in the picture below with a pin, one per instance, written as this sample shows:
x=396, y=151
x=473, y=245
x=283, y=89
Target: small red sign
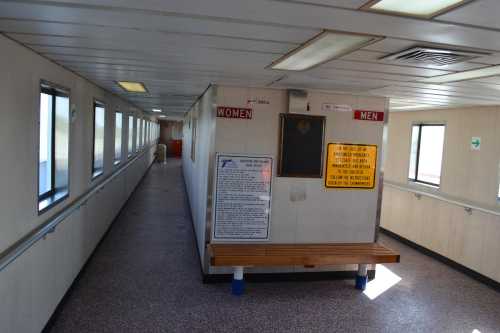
x=230, y=112
x=368, y=115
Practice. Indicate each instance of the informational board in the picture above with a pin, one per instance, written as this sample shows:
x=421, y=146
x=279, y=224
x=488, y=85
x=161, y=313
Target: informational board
x=242, y=198
x=351, y=166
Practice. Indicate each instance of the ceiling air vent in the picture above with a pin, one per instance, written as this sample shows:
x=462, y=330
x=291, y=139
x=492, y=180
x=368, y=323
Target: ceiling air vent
x=431, y=56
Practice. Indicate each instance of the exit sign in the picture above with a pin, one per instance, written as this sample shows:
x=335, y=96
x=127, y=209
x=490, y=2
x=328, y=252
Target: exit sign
x=368, y=115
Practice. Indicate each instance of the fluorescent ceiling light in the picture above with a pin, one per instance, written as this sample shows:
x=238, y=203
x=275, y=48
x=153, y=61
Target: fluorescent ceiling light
x=418, y=8
x=462, y=76
x=156, y=110
x=133, y=87
x=326, y=46
x=162, y=116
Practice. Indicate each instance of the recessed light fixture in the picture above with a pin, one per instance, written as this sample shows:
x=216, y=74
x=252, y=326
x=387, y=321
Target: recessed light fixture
x=156, y=110
x=162, y=116
x=322, y=48
x=415, y=8
x=466, y=75
x=132, y=87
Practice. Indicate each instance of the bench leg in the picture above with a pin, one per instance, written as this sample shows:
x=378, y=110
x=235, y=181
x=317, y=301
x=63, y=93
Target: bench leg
x=362, y=277
x=238, y=285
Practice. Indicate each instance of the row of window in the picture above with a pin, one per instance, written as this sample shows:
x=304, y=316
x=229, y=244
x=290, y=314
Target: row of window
x=54, y=130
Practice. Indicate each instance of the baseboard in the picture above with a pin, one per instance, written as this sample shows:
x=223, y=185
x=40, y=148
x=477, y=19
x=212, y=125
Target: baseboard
x=445, y=260
x=282, y=277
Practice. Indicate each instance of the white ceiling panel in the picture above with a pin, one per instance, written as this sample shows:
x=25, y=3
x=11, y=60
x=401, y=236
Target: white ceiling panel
x=482, y=13
x=177, y=47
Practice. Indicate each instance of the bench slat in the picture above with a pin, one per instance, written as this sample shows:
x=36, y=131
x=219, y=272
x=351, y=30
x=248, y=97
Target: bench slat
x=300, y=254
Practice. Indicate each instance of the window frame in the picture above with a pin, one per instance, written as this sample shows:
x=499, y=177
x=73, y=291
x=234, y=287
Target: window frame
x=415, y=180
x=117, y=161
x=55, y=195
x=130, y=138
x=137, y=134
x=94, y=173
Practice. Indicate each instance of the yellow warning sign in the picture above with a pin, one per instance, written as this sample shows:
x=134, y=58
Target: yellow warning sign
x=351, y=166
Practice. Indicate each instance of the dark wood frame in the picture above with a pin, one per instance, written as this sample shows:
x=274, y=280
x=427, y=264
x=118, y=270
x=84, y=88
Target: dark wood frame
x=283, y=116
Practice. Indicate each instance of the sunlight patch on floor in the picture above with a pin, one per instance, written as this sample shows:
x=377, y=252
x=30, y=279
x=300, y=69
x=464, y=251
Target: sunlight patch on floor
x=384, y=280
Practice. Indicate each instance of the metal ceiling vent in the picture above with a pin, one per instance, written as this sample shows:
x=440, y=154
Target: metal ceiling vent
x=430, y=56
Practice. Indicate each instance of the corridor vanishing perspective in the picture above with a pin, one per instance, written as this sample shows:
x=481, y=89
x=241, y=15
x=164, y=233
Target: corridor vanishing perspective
x=145, y=277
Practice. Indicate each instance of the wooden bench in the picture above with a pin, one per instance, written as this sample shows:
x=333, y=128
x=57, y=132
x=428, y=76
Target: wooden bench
x=307, y=255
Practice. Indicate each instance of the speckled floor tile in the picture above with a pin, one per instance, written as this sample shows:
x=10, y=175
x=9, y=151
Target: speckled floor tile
x=145, y=277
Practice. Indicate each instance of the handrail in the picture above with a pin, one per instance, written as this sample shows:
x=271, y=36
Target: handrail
x=468, y=206
x=49, y=226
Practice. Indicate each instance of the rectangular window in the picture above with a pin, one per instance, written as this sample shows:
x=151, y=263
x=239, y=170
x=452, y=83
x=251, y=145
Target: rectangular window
x=130, y=135
x=118, y=137
x=426, y=156
x=137, y=134
x=53, y=155
x=98, y=157
x=148, y=132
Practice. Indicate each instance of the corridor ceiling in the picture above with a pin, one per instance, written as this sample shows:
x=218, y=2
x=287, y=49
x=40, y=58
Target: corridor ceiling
x=178, y=47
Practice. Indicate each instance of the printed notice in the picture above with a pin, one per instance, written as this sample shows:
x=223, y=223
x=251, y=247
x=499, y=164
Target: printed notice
x=243, y=197
x=351, y=166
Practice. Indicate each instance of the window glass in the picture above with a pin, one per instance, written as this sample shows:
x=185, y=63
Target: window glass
x=45, y=149
x=62, y=142
x=138, y=134
x=130, y=135
x=53, y=156
x=99, y=116
x=427, y=154
x=118, y=136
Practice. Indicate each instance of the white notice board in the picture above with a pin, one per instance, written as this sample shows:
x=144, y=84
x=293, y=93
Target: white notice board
x=242, y=198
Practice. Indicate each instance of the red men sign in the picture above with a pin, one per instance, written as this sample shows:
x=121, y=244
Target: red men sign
x=230, y=112
x=368, y=115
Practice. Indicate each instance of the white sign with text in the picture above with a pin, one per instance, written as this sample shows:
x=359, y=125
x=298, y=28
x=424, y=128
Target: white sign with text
x=242, y=198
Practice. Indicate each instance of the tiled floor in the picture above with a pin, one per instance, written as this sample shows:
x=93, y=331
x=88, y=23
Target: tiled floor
x=145, y=277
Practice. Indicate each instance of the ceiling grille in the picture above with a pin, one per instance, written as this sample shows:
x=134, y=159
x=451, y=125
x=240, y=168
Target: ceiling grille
x=431, y=56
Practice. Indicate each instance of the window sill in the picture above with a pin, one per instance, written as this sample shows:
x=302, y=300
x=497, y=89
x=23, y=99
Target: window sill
x=97, y=173
x=424, y=186
x=47, y=203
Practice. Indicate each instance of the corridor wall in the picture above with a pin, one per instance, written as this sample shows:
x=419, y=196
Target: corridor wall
x=471, y=177
x=33, y=284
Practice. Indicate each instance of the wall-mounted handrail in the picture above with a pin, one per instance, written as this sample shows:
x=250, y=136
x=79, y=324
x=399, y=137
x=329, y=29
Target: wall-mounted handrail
x=17, y=249
x=468, y=206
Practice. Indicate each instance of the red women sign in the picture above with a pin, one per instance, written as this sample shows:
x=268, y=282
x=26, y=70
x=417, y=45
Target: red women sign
x=231, y=112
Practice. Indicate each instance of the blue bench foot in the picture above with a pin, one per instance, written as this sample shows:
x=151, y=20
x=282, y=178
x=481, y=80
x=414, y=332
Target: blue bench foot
x=238, y=287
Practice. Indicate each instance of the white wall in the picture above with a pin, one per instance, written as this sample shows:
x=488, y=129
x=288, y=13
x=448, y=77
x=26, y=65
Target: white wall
x=196, y=173
x=32, y=286
x=326, y=215
x=468, y=176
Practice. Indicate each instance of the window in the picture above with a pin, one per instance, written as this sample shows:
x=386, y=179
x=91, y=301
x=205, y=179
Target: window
x=426, y=157
x=98, y=157
x=53, y=150
x=118, y=137
x=130, y=135
x=137, y=134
